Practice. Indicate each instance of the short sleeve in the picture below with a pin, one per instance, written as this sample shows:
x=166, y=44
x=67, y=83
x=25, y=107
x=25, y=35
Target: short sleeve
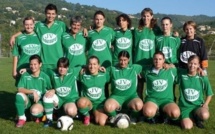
x=207, y=86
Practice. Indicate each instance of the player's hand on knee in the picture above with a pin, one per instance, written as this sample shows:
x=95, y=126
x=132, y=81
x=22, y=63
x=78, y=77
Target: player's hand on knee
x=50, y=93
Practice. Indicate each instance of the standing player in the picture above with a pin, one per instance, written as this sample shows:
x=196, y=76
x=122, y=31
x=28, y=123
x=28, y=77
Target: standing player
x=31, y=87
x=93, y=97
x=65, y=92
x=124, y=88
x=159, y=90
x=123, y=38
x=144, y=42
x=74, y=44
x=26, y=44
x=167, y=43
x=49, y=32
x=99, y=40
x=192, y=88
x=191, y=44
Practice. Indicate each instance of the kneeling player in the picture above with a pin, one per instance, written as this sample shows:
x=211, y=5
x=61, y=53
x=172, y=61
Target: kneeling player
x=93, y=97
x=65, y=92
x=159, y=90
x=191, y=101
x=31, y=88
x=124, y=87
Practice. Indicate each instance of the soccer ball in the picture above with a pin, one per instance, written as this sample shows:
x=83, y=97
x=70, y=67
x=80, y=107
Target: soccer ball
x=65, y=123
x=122, y=120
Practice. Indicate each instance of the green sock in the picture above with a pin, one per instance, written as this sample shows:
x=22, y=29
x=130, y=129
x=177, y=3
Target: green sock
x=20, y=105
x=84, y=111
x=48, y=109
x=112, y=114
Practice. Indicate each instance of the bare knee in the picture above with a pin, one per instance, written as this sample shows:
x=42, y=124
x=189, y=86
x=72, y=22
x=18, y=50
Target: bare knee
x=82, y=103
x=71, y=111
x=205, y=115
x=186, y=124
x=138, y=105
x=149, y=112
x=109, y=107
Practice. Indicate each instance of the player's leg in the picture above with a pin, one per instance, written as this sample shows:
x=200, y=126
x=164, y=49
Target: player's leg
x=186, y=123
x=172, y=111
x=84, y=106
x=21, y=103
x=110, y=107
x=70, y=109
x=37, y=111
x=100, y=117
x=149, y=111
x=200, y=115
x=136, y=105
x=49, y=105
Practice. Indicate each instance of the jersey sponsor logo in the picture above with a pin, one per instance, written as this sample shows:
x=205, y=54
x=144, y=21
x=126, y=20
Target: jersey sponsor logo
x=159, y=85
x=94, y=92
x=191, y=94
x=123, y=43
x=76, y=49
x=31, y=49
x=49, y=38
x=99, y=45
x=38, y=93
x=63, y=91
x=185, y=56
x=146, y=44
x=167, y=51
x=123, y=84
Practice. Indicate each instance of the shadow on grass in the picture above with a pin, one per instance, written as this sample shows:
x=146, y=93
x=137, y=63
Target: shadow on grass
x=7, y=106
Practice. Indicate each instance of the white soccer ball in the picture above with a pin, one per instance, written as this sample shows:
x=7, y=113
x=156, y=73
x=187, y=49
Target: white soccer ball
x=122, y=121
x=65, y=123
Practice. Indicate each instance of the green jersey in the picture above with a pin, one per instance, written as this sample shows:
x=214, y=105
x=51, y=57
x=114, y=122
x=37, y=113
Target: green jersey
x=144, y=46
x=122, y=41
x=25, y=46
x=50, y=38
x=66, y=87
x=159, y=83
x=192, y=89
x=93, y=86
x=74, y=49
x=40, y=84
x=169, y=45
x=124, y=80
x=99, y=44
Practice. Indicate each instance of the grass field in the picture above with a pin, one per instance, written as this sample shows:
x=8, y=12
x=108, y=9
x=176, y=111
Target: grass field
x=8, y=112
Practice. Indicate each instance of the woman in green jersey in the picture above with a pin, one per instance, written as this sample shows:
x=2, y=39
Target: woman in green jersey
x=123, y=39
x=93, y=97
x=144, y=42
x=124, y=88
x=31, y=87
x=159, y=90
x=65, y=92
x=193, y=88
x=26, y=44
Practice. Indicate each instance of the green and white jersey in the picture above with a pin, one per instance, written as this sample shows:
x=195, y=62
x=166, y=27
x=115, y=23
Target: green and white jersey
x=74, y=49
x=40, y=84
x=159, y=83
x=99, y=44
x=50, y=38
x=122, y=41
x=66, y=87
x=169, y=45
x=192, y=89
x=25, y=46
x=144, y=46
x=124, y=80
x=93, y=86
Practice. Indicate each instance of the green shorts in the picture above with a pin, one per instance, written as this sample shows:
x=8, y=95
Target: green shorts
x=123, y=100
x=160, y=103
x=98, y=105
x=31, y=102
x=188, y=112
x=63, y=101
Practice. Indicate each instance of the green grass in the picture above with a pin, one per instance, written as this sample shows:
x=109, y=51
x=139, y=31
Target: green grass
x=8, y=112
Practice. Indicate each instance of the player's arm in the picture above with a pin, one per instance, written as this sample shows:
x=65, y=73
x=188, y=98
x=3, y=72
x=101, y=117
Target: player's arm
x=27, y=91
x=15, y=61
x=13, y=37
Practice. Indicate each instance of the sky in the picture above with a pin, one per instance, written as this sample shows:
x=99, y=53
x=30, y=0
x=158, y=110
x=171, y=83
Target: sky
x=179, y=7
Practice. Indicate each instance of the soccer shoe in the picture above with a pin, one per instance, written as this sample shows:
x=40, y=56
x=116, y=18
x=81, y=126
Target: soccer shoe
x=43, y=119
x=133, y=120
x=87, y=120
x=20, y=123
x=47, y=123
x=152, y=121
x=112, y=120
x=199, y=124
